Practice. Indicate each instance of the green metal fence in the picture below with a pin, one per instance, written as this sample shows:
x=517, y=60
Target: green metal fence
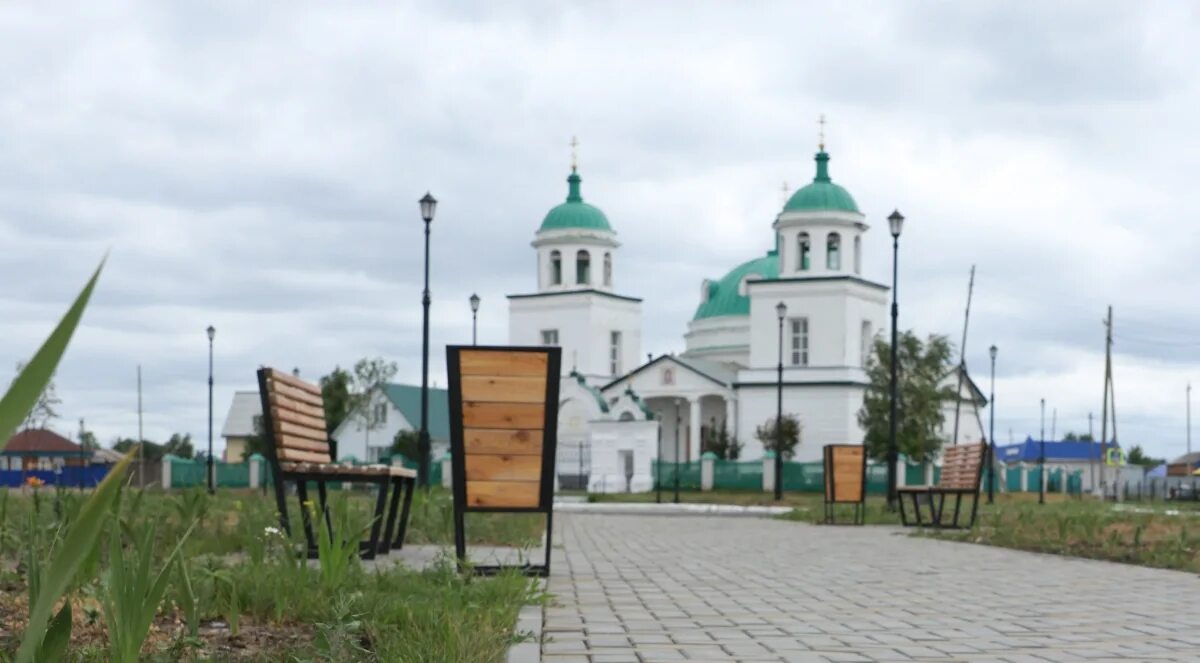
x=734, y=475
x=689, y=474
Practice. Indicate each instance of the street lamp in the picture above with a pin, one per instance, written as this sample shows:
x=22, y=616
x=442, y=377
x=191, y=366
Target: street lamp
x=895, y=224
x=428, y=207
x=780, y=312
x=678, y=423
x=212, y=333
x=474, y=312
x=1042, y=459
x=992, y=433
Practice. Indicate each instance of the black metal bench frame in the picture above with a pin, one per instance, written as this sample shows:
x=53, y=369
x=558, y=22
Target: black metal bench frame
x=937, y=511
x=383, y=481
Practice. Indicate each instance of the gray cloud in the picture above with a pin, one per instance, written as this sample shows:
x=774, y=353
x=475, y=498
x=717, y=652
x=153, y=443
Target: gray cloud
x=258, y=170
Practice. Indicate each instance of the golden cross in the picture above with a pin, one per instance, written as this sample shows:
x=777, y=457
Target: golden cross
x=574, y=154
x=821, y=122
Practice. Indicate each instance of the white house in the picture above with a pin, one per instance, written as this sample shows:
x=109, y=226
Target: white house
x=397, y=408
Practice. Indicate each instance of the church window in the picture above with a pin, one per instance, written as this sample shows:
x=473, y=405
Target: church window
x=608, y=269
x=626, y=416
x=833, y=251
x=668, y=377
x=614, y=353
x=549, y=337
x=867, y=339
x=555, y=268
x=583, y=268
x=802, y=262
x=799, y=341
x=858, y=254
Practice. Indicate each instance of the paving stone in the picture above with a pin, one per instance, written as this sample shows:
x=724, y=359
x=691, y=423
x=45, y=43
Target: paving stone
x=645, y=589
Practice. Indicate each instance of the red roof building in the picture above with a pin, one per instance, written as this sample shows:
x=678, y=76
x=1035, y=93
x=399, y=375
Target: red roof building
x=40, y=449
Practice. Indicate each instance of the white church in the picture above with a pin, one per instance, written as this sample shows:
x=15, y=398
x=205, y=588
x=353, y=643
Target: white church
x=617, y=413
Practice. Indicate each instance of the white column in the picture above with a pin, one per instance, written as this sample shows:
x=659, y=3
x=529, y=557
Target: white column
x=929, y=473
x=901, y=472
x=448, y=472
x=166, y=473
x=768, y=462
x=694, y=428
x=731, y=414
x=254, y=472
x=706, y=470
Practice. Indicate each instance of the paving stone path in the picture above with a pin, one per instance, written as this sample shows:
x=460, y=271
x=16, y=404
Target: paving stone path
x=642, y=589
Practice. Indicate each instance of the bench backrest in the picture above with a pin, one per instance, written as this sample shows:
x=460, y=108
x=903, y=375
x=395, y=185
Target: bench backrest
x=962, y=466
x=296, y=416
x=503, y=426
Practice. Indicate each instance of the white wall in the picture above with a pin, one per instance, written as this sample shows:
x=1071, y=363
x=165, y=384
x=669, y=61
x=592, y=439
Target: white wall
x=835, y=312
x=726, y=338
x=584, y=321
x=609, y=438
x=354, y=440
x=828, y=415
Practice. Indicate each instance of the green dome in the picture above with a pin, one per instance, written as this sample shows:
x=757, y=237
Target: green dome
x=575, y=214
x=723, y=296
x=822, y=194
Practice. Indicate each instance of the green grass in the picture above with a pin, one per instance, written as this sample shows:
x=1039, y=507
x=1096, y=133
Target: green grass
x=269, y=605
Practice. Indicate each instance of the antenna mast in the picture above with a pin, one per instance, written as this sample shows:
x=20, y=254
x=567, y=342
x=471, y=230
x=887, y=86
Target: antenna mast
x=962, y=358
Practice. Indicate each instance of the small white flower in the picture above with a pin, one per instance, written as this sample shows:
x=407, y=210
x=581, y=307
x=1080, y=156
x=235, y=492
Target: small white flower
x=272, y=531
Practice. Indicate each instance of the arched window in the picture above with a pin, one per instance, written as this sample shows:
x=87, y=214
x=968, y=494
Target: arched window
x=802, y=263
x=858, y=254
x=608, y=269
x=583, y=268
x=833, y=251
x=555, y=268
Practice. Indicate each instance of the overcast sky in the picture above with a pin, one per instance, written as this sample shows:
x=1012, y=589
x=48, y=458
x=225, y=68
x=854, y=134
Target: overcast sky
x=258, y=170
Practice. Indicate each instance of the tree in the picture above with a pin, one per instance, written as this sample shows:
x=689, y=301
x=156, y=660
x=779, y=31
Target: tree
x=150, y=450
x=335, y=392
x=87, y=439
x=792, y=430
x=1078, y=437
x=257, y=443
x=179, y=445
x=1137, y=456
x=370, y=375
x=405, y=443
x=920, y=394
x=718, y=440
x=43, y=410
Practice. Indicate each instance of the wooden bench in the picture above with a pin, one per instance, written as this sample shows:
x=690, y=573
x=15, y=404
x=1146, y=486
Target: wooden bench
x=962, y=470
x=298, y=451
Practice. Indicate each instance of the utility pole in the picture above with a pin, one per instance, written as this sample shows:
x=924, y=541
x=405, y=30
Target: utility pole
x=141, y=439
x=1091, y=459
x=962, y=356
x=1107, y=385
x=1189, y=417
x=1054, y=425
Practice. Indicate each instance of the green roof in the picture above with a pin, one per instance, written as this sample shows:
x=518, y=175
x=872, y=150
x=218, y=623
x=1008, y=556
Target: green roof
x=407, y=399
x=723, y=296
x=592, y=390
x=575, y=214
x=822, y=194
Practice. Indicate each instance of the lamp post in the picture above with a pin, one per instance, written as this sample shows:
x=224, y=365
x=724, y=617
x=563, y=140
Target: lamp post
x=676, y=465
x=212, y=333
x=1042, y=458
x=780, y=312
x=428, y=207
x=658, y=462
x=474, y=313
x=895, y=224
x=992, y=433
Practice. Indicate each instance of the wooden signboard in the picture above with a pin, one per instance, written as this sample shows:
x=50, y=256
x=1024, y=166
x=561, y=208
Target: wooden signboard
x=503, y=430
x=845, y=479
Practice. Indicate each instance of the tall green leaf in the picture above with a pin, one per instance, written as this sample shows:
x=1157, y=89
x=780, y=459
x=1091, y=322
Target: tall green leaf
x=32, y=381
x=76, y=548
